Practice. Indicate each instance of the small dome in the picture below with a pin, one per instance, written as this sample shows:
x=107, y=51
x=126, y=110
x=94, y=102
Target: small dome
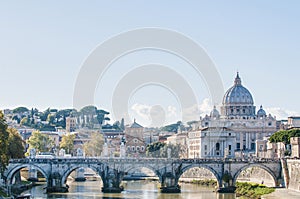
x=238, y=94
x=261, y=112
x=215, y=113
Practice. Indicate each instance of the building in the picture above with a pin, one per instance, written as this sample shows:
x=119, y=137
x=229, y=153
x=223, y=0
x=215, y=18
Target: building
x=211, y=142
x=179, y=139
x=70, y=124
x=135, y=144
x=266, y=149
x=295, y=145
x=293, y=122
x=238, y=125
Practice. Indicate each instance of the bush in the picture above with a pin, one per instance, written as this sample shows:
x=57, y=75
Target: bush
x=252, y=190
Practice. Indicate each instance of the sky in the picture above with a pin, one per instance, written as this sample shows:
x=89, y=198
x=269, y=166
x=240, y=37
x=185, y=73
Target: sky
x=44, y=44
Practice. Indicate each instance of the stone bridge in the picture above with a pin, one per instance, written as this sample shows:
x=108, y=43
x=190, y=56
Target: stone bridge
x=112, y=170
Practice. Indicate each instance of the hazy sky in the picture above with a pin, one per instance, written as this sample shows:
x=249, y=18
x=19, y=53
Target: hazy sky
x=43, y=45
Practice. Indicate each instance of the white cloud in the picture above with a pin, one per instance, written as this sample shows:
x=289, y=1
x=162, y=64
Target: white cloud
x=141, y=110
x=281, y=113
x=205, y=107
x=172, y=111
x=194, y=112
x=155, y=115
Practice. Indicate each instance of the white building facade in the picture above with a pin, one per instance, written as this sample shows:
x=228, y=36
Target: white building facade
x=236, y=129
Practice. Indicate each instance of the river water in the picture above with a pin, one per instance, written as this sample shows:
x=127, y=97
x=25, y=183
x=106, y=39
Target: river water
x=133, y=190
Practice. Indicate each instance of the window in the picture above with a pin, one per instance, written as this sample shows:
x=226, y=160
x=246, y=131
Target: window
x=252, y=146
x=229, y=134
x=128, y=148
x=261, y=147
x=244, y=111
x=217, y=146
x=133, y=148
x=270, y=123
x=137, y=148
x=218, y=153
x=229, y=147
x=142, y=148
x=205, y=147
x=238, y=146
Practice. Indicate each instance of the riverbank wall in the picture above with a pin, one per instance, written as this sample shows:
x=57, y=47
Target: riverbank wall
x=293, y=167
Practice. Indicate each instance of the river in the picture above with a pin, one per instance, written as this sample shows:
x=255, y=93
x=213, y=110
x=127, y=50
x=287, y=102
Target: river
x=133, y=190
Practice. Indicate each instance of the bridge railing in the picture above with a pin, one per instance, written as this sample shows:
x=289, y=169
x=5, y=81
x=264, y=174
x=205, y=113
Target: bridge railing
x=126, y=160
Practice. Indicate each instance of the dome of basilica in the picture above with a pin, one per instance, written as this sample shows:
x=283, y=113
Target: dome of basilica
x=238, y=94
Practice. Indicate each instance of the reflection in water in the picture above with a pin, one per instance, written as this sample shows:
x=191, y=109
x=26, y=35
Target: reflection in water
x=133, y=190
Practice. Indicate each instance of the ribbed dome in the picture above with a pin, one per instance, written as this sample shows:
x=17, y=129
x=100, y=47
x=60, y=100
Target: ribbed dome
x=261, y=112
x=215, y=113
x=238, y=94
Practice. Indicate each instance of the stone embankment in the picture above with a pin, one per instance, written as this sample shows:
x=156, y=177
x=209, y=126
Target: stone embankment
x=293, y=168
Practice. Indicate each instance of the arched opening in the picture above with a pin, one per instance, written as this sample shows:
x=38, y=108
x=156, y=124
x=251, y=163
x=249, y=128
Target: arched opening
x=139, y=179
x=256, y=174
x=217, y=146
x=25, y=177
x=30, y=173
x=195, y=179
x=82, y=179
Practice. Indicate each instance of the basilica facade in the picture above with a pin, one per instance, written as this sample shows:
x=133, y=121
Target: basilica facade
x=234, y=129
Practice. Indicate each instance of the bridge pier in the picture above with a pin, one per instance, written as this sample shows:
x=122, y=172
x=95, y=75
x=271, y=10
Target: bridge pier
x=55, y=185
x=169, y=184
x=32, y=175
x=111, y=180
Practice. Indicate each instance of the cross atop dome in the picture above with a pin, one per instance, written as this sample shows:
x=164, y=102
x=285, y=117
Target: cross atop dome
x=237, y=80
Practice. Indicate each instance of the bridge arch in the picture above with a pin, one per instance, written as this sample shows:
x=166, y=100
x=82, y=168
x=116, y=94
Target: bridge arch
x=261, y=166
x=132, y=167
x=214, y=172
x=13, y=171
x=67, y=172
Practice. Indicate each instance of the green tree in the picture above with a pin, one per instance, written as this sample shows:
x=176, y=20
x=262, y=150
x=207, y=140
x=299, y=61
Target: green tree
x=153, y=150
x=95, y=145
x=172, y=127
x=284, y=136
x=24, y=121
x=61, y=115
x=44, y=115
x=50, y=119
x=88, y=110
x=122, y=125
x=16, y=145
x=175, y=151
x=20, y=110
x=16, y=118
x=101, y=116
x=3, y=143
x=67, y=143
x=41, y=142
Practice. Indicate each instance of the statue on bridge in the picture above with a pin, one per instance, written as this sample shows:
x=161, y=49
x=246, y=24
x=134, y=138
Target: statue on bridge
x=62, y=152
x=79, y=152
x=32, y=153
x=122, y=150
